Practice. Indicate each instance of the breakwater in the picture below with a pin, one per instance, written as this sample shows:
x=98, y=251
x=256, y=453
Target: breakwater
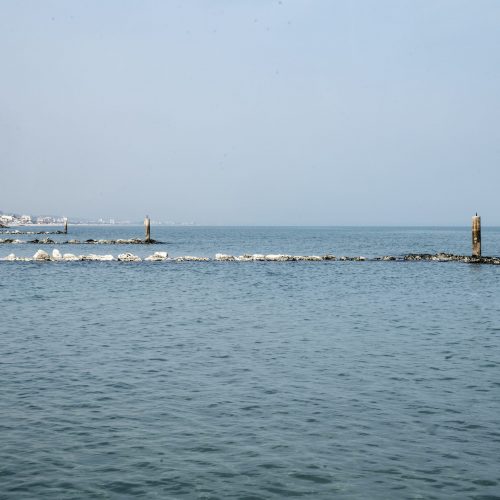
x=16, y=231
x=57, y=256
x=49, y=241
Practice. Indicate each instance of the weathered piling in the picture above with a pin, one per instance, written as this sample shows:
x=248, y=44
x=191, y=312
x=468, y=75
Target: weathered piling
x=147, y=224
x=65, y=225
x=476, y=236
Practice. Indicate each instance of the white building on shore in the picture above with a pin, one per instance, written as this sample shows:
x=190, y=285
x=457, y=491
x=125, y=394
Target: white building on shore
x=15, y=220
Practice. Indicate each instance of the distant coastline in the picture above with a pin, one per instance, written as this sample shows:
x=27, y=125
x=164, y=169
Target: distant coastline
x=100, y=224
x=10, y=220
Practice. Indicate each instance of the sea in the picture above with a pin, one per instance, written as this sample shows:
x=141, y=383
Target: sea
x=251, y=380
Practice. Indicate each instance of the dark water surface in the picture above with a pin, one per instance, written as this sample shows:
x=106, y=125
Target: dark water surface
x=252, y=380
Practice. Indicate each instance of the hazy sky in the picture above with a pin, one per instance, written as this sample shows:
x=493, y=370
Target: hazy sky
x=252, y=111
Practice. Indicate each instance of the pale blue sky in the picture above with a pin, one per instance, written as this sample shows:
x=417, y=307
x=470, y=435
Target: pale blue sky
x=252, y=111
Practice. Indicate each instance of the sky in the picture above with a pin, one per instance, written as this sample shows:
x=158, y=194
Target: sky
x=259, y=112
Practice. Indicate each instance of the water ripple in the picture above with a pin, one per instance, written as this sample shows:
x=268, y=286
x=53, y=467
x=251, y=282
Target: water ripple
x=249, y=382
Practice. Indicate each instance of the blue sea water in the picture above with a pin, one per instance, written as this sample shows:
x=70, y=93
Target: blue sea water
x=252, y=380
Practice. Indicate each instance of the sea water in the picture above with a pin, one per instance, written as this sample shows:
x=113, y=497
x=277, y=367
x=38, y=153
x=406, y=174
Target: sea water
x=251, y=380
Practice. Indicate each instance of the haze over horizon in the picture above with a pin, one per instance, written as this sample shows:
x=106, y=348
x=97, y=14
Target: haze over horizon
x=252, y=112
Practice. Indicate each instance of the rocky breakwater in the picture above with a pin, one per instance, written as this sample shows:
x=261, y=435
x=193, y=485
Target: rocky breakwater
x=11, y=241
x=56, y=256
x=133, y=241
x=257, y=257
x=448, y=257
x=16, y=231
x=50, y=241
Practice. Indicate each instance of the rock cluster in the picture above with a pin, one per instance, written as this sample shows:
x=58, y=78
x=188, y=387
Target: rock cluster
x=190, y=258
x=96, y=257
x=41, y=255
x=12, y=257
x=128, y=257
x=157, y=256
x=71, y=257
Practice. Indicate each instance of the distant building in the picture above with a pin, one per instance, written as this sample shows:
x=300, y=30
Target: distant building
x=6, y=219
x=44, y=220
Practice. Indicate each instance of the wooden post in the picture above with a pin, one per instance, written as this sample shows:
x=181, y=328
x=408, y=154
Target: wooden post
x=476, y=236
x=65, y=225
x=147, y=223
